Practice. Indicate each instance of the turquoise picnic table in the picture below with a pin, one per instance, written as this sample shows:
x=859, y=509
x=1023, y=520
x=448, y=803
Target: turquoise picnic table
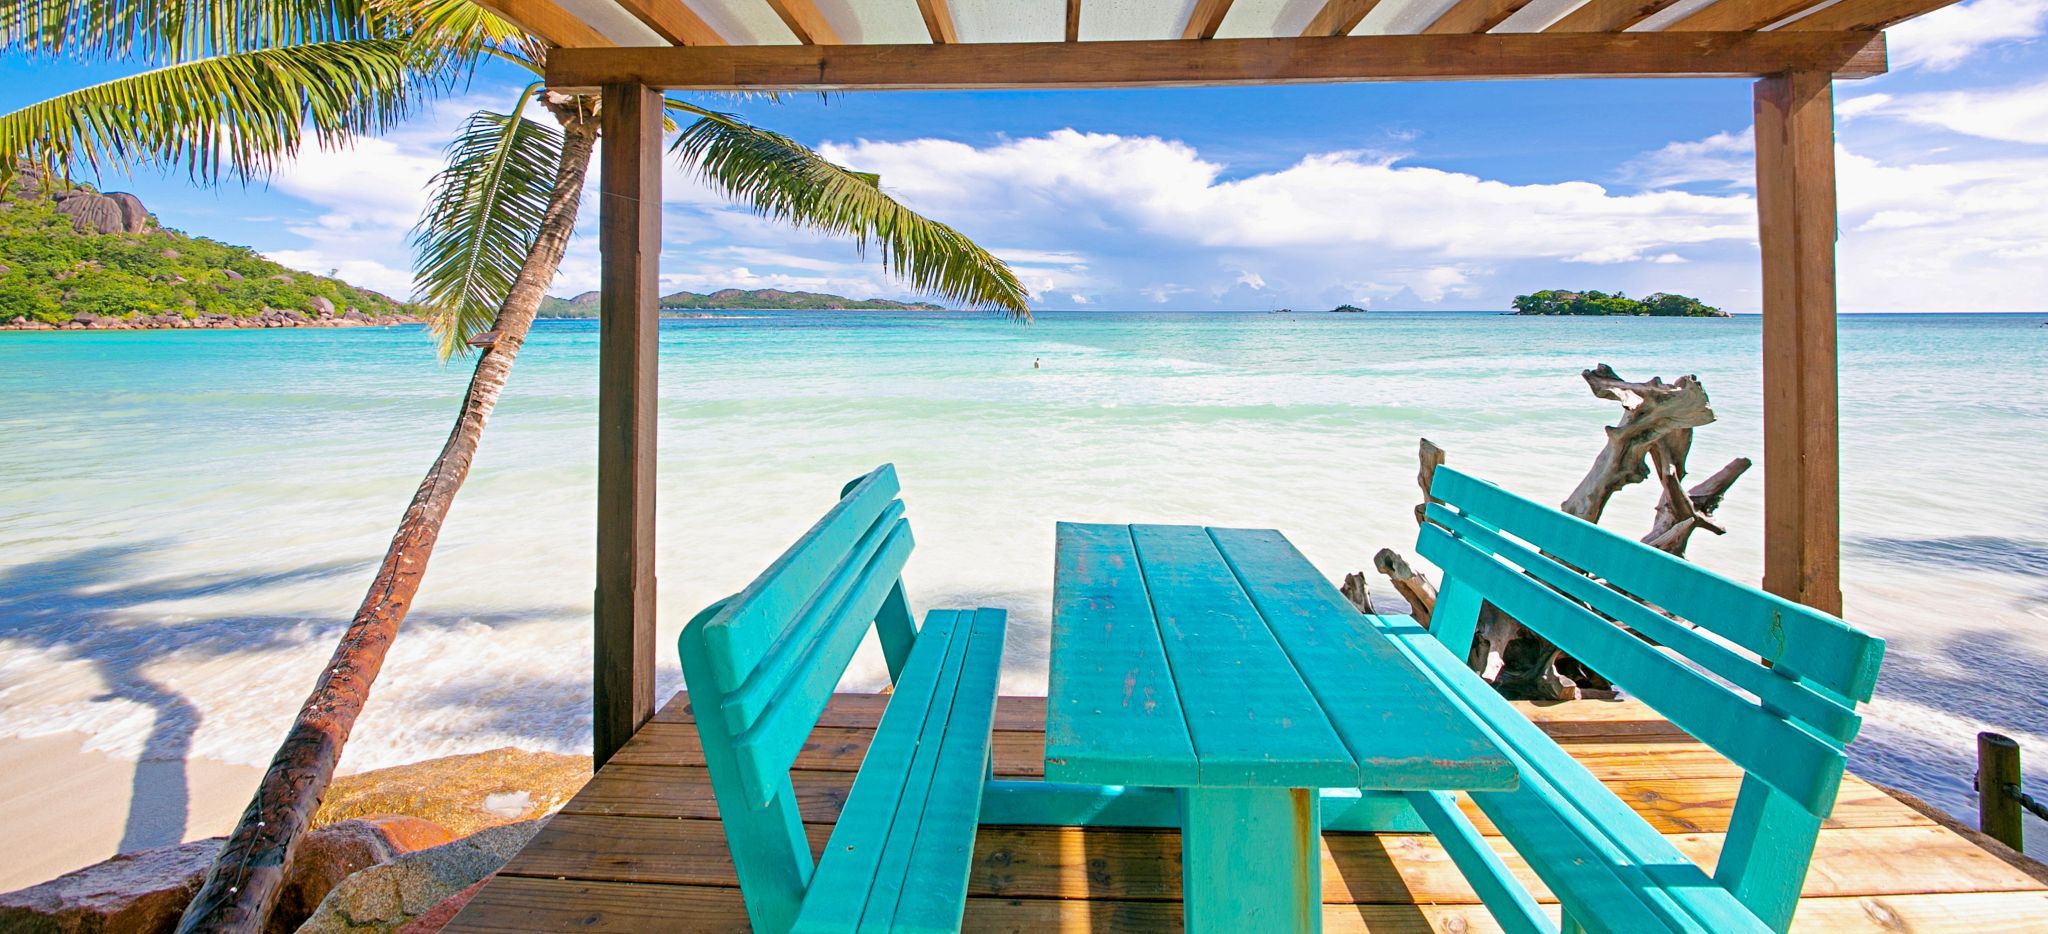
x=1222, y=666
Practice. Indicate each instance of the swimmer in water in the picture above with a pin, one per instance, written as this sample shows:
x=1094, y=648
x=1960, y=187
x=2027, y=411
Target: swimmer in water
x=1034, y=363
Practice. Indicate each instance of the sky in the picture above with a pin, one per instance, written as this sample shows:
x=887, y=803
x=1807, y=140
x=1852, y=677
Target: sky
x=1423, y=196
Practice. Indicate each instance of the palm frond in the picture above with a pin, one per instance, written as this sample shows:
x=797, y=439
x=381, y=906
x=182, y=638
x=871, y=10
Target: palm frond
x=167, y=31
x=239, y=113
x=481, y=221
x=462, y=31
x=786, y=180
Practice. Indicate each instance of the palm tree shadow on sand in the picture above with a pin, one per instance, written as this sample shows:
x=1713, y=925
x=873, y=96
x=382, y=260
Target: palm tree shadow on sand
x=81, y=606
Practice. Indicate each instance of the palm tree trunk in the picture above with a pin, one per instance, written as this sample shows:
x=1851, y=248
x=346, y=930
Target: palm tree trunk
x=246, y=879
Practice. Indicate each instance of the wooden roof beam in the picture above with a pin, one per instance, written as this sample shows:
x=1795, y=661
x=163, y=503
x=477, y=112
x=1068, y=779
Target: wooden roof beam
x=1608, y=15
x=1073, y=20
x=1169, y=62
x=1735, y=15
x=1472, y=16
x=1338, y=17
x=546, y=19
x=1861, y=15
x=673, y=21
x=802, y=17
x=938, y=20
x=1205, y=19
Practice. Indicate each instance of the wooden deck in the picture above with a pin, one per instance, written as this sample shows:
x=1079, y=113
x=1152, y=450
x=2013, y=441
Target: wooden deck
x=640, y=849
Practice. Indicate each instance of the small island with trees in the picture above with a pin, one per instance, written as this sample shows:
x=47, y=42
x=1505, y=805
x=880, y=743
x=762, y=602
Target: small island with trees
x=1656, y=305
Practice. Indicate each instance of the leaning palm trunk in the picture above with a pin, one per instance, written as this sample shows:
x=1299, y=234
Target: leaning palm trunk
x=246, y=879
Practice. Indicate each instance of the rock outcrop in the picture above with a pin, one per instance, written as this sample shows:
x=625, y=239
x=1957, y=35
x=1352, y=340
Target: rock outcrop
x=112, y=213
x=145, y=891
x=390, y=896
x=464, y=793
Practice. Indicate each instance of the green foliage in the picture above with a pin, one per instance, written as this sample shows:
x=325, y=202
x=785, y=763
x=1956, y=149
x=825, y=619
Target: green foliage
x=1658, y=304
x=481, y=221
x=786, y=180
x=56, y=271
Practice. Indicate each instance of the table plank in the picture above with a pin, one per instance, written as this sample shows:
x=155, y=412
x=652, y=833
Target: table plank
x=1252, y=719
x=1113, y=715
x=1404, y=733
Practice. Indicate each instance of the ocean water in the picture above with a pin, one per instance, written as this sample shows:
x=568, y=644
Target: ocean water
x=188, y=519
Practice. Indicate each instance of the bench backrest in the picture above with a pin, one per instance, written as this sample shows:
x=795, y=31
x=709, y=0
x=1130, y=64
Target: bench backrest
x=761, y=665
x=1769, y=683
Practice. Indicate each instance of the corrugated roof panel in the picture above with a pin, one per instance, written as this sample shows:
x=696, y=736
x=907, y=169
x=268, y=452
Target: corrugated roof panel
x=1401, y=17
x=876, y=22
x=744, y=22
x=613, y=22
x=1112, y=20
x=1261, y=19
x=1012, y=20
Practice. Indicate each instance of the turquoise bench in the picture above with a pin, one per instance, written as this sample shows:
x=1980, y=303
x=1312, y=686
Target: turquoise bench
x=760, y=667
x=1770, y=684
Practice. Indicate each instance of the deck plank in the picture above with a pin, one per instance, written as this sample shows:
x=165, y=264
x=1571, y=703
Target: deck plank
x=640, y=848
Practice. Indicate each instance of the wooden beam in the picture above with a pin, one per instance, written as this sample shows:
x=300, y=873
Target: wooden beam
x=802, y=17
x=629, y=242
x=1222, y=61
x=547, y=20
x=1073, y=20
x=1795, y=197
x=938, y=20
x=1338, y=17
x=1870, y=15
x=674, y=21
x=1608, y=15
x=1205, y=19
x=1473, y=16
x=1737, y=15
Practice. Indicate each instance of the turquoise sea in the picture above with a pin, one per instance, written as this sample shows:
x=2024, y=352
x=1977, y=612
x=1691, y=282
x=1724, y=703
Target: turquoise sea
x=187, y=519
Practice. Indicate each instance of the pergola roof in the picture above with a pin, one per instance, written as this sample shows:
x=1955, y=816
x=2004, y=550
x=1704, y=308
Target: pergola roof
x=1086, y=43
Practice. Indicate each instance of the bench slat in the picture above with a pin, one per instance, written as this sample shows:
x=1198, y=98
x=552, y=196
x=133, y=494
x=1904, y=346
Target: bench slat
x=917, y=778
x=1781, y=751
x=756, y=616
x=1253, y=721
x=1504, y=897
x=1816, y=645
x=1819, y=709
x=1111, y=670
x=1567, y=825
x=1388, y=727
x=935, y=893
x=847, y=869
x=770, y=746
x=793, y=650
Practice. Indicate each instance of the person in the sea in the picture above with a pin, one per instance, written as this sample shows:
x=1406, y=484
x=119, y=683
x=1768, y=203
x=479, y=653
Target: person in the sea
x=1034, y=363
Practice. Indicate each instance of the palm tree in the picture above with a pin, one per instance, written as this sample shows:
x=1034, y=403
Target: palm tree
x=228, y=88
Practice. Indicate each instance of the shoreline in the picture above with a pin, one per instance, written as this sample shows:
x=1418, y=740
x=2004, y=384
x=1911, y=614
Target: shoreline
x=100, y=813
x=269, y=318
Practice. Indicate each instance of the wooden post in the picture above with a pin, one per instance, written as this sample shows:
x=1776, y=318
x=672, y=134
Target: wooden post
x=629, y=240
x=1998, y=811
x=1795, y=195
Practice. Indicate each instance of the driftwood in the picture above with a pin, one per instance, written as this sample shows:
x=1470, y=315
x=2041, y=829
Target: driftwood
x=1655, y=412
x=1413, y=587
x=1357, y=591
x=1653, y=439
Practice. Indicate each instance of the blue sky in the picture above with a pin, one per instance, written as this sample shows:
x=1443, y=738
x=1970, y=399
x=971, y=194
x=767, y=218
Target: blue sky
x=1398, y=196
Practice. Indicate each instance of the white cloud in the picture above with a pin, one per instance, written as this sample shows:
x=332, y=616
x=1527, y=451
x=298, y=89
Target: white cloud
x=1250, y=278
x=1947, y=37
x=1726, y=159
x=2017, y=114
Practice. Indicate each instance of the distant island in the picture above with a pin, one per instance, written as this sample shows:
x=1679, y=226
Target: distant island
x=1339, y=310
x=585, y=305
x=1656, y=305
x=74, y=258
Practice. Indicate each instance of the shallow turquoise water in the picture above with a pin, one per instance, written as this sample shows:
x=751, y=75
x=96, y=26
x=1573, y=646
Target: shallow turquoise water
x=187, y=518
